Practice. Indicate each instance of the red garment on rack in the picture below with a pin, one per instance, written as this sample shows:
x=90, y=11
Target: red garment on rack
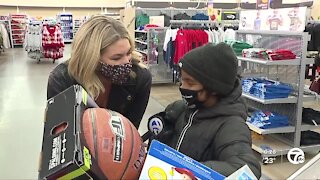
x=52, y=42
x=188, y=39
x=181, y=45
x=52, y=36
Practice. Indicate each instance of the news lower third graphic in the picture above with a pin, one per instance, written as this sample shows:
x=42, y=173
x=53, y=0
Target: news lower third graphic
x=270, y=156
x=296, y=156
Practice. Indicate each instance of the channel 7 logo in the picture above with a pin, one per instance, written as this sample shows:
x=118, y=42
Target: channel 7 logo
x=296, y=156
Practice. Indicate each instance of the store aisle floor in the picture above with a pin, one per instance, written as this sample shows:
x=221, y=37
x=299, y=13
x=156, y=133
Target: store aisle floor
x=23, y=85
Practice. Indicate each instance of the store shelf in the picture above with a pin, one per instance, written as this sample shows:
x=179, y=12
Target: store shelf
x=17, y=29
x=271, y=32
x=143, y=52
x=287, y=129
x=268, y=62
x=289, y=100
x=141, y=42
x=22, y=23
x=309, y=60
x=307, y=98
x=138, y=31
x=67, y=40
x=277, y=146
x=307, y=127
x=310, y=147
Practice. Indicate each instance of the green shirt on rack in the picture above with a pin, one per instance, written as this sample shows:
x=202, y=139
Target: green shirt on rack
x=142, y=20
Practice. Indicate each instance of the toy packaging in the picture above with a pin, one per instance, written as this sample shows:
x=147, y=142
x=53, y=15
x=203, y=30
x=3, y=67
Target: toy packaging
x=163, y=162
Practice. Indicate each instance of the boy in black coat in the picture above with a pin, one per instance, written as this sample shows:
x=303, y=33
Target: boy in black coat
x=209, y=125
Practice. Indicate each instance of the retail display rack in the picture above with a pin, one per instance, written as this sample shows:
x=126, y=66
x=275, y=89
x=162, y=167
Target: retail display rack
x=149, y=43
x=66, y=22
x=7, y=22
x=18, y=28
x=77, y=22
x=280, y=140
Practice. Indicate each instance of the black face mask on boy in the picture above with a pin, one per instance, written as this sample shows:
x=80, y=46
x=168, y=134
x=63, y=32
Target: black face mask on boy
x=191, y=97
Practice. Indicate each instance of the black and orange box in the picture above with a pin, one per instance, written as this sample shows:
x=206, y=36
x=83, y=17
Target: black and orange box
x=64, y=153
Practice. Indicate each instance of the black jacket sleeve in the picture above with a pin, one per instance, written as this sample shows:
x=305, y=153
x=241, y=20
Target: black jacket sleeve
x=59, y=80
x=140, y=102
x=233, y=149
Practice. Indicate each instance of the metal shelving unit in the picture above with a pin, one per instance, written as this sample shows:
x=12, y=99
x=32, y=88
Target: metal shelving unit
x=18, y=28
x=286, y=129
x=279, y=147
x=8, y=26
x=281, y=139
x=290, y=99
x=288, y=62
x=66, y=21
x=141, y=42
x=138, y=31
x=143, y=52
x=151, y=47
x=77, y=23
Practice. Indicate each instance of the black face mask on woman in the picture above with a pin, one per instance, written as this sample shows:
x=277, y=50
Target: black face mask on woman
x=119, y=74
x=191, y=97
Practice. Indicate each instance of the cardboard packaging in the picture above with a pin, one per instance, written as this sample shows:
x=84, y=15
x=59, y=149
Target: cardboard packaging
x=64, y=152
x=164, y=162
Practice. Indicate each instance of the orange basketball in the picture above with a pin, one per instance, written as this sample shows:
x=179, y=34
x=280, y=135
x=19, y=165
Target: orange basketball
x=114, y=141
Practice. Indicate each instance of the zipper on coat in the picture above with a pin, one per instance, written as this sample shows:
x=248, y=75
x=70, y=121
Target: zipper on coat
x=184, y=130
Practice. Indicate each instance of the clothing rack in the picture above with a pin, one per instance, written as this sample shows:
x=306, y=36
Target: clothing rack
x=199, y=23
x=233, y=24
x=191, y=22
x=9, y=30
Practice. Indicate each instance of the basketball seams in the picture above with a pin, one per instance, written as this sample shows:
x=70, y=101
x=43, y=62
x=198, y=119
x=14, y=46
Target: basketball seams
x=94, y=131
x=96, y=125
x=131, y=149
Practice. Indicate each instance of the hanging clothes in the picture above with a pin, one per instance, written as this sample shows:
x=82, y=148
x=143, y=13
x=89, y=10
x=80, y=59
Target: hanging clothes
x=200, y=16
x=314, y=31
x=142, y=20
x=1, y=40
x=52, y=42
x=168, y=46
x=188, y=39
x=5, y=36
x=230, y=35
x=182, y=16
x=33, y=38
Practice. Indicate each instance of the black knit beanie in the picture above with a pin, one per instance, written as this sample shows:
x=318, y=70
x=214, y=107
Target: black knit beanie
x=214, y=66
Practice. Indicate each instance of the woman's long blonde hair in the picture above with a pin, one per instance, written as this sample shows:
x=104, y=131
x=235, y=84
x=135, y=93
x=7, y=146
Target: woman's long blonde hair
x=91, y=40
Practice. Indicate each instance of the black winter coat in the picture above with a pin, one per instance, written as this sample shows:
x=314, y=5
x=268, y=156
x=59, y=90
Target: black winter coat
x=129, y=99
x=217, y=137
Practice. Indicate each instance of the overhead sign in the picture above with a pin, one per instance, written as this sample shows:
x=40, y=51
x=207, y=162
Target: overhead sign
x=286, y=19
x=230, y=15
x=157, y=20
x=262, y=4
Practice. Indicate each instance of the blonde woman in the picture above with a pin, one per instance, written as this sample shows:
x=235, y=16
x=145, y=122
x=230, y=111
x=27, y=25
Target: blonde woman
x=101, y=61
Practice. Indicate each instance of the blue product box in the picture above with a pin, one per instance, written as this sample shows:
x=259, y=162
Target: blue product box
x=164, y=162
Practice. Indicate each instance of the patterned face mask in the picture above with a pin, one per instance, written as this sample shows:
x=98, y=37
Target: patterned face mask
x=118, y=74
